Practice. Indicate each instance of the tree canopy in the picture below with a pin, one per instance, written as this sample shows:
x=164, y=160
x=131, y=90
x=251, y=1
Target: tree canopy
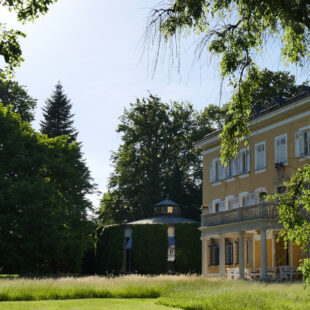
x=156, y=159
x=11, y=93
x=58, y=119
x=43, y=205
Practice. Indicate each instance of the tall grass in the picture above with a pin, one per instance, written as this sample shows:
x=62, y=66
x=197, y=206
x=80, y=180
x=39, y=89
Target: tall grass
x=186, y=292
x=87, y=287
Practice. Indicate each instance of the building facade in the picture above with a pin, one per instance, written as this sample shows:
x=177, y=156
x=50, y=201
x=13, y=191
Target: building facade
x=239, y=229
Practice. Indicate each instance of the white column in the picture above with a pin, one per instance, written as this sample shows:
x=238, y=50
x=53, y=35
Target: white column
x=274, y=249
x=222, y=256
x=205, y=256
x=290, y=253
x=241, y=255
x=263, y=253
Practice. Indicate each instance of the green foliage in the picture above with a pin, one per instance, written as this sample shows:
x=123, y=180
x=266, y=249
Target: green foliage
x=257, y=91
x=294, y=211
x=149, y=249
x=11, y=93
x=188, y=248
x=58, y=119
x=10, y=49
x=110, y=249
x=43, y=205
x=237, y=30
x=156, y=159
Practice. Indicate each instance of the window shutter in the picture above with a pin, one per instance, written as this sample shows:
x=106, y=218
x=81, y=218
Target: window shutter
x=234, y=168
x=248, y=162
x=298, y=144
x=222, y=172
x=211, y=172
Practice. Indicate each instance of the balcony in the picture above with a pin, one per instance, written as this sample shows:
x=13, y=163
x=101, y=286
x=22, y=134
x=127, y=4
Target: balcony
x=260, y=210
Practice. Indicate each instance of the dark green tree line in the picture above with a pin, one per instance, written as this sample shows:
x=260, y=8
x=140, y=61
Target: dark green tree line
x=43, y=204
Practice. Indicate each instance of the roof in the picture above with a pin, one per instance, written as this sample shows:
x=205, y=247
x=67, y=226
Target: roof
x=167, y=202
x=168, y=220
x=303, y=92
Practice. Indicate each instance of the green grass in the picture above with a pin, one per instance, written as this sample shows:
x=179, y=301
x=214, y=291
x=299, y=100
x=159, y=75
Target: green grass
x=185, y=292
x=85, y=304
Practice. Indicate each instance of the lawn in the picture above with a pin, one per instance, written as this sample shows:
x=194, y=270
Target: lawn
x=85, y=304
x=184, y=292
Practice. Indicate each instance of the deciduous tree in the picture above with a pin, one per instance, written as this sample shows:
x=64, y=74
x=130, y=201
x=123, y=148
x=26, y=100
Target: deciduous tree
x=11, y=93
x=43, y=205
x=156, y=159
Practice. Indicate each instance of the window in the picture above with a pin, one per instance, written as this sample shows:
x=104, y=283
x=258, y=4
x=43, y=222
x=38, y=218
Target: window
x=243, y=199
x=229, y=170
x=216, y=207
x=170, y=209
x=281, y=149
x=231, y=202
x=244, y=161
x=216, y=170
x=229, y=252
x=260, y=156
x=214, y=253
x=302, y=142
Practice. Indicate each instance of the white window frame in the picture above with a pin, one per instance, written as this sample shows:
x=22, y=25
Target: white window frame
x=213, y=170
x=227, y=199
x=301, y=132
x=248, y=161
x=256, y=156
x=241, y=196
x=276, y=149
x=215, y=201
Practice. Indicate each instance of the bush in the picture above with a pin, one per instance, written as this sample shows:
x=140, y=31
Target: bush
x=188, y=248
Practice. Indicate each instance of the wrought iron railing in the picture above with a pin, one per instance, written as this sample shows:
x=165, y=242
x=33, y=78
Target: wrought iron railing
x=260, y=210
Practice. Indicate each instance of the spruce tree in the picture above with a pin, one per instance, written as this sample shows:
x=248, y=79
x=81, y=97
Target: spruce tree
x=58, y=119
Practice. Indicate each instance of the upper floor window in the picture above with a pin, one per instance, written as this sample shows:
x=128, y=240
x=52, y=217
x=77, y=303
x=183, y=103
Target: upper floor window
x=244, y=161
x=260, y=155
x=280, y=143
x=302, y=142
x=216, y=170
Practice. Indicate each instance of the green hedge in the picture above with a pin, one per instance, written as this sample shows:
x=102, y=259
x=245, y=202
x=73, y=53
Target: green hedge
x=149, y=249
x=188, y=248
x=109, y=249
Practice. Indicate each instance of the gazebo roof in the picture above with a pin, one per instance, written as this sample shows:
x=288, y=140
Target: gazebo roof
x=168, y=220
x=167, y=202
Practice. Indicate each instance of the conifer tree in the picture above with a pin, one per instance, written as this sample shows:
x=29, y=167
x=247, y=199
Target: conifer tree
x=58, y=119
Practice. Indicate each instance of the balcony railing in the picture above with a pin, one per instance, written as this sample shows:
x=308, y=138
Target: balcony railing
x=260, y=210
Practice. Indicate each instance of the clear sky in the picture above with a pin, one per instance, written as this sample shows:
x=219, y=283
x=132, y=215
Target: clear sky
x=93, y=47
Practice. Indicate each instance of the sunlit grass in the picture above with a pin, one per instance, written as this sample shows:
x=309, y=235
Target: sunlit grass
x=186, y=291
x=85, y=304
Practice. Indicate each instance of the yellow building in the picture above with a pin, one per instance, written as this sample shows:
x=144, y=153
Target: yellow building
x=238, y=228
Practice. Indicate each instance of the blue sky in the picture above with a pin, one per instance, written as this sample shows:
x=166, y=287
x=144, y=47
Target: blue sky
x=93, y=47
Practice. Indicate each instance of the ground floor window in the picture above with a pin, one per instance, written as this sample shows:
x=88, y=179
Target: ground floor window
x=229, y=252
x=214, y=253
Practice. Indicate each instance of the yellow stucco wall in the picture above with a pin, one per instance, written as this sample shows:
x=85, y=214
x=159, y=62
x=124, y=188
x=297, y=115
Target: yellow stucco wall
x=265, y=179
